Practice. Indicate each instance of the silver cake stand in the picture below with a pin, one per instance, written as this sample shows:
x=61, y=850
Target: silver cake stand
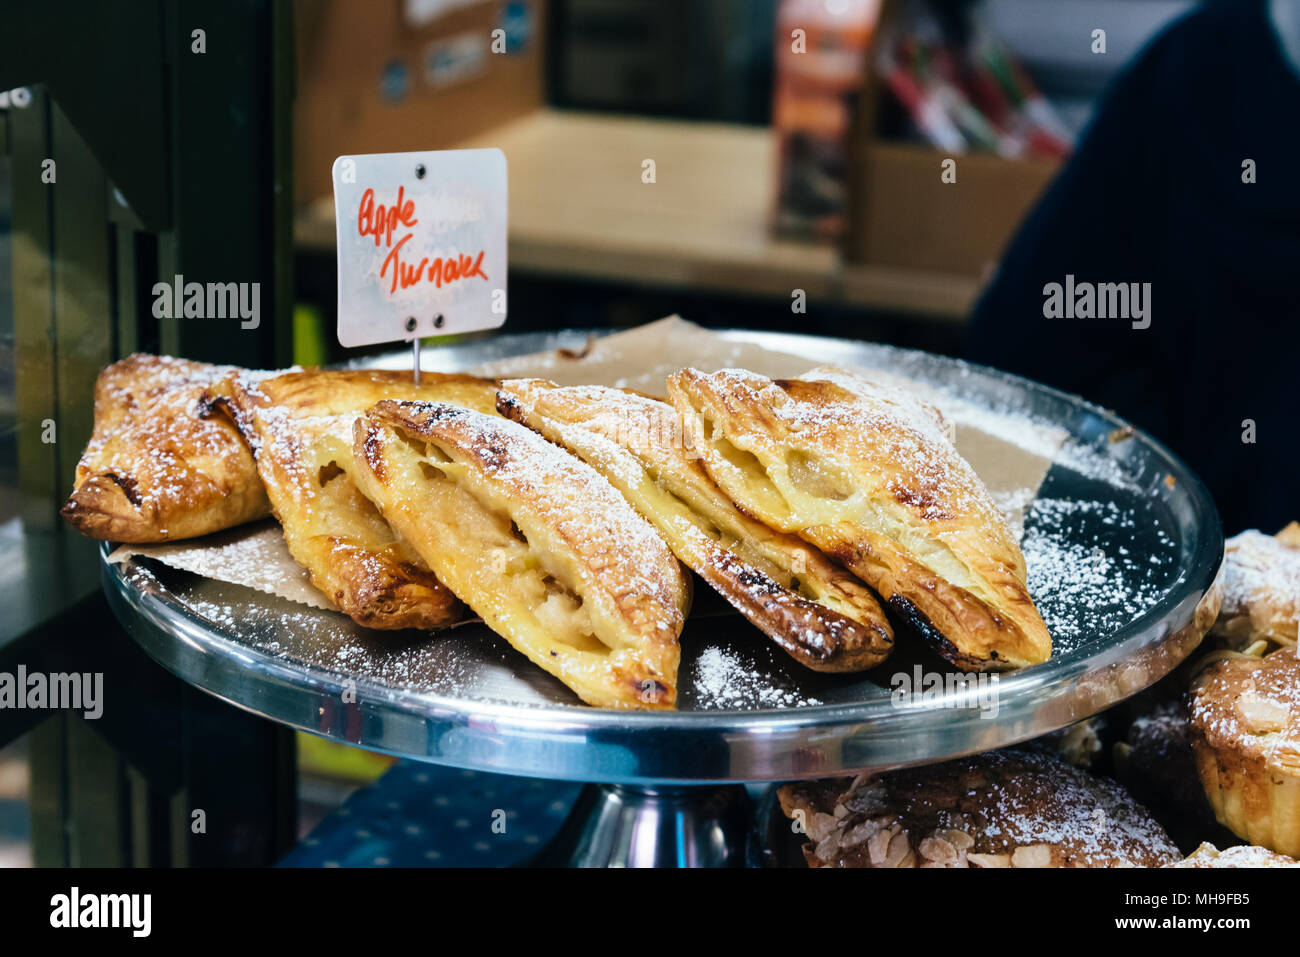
x=1124, y=546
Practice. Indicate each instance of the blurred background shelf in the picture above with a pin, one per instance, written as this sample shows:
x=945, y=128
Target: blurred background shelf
x=579, y=210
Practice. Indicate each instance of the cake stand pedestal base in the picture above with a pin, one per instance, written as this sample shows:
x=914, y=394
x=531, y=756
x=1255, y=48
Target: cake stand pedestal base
x=617, y=825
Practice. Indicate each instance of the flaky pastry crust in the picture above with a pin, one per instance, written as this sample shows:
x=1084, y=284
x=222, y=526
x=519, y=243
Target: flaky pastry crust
x=159, y=466
x=536, y=542
x=812, y=608
x=868, y=476
x=300, y=428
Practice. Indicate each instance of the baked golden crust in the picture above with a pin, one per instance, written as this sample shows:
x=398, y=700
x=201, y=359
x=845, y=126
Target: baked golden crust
x=867, y=475
x=811, y=608
x=543, y=549
x=1245, y=730
x=1261, y=589
x=158, y=467
x=1000, y=809
x=300, y=428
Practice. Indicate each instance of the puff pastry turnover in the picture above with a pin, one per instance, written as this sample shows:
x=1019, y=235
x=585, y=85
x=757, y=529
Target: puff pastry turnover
x=867, y=475
x=810, y=607
x=158, y=467
x=536, y=542
x=299, y=426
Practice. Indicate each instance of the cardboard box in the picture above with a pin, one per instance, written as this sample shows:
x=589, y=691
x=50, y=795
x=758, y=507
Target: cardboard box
x=903, y=214
x=400, y=75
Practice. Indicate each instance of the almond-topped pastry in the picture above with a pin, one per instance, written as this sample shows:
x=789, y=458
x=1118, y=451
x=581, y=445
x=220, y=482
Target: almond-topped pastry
x=1000, y=809
x=158, y=466
x=1245, y=725
x=536, y=542
x=299, y=426
x=1156, y=764
x=868, y=475
x=811, y=607
x=1261, y=588
x=1243, y=855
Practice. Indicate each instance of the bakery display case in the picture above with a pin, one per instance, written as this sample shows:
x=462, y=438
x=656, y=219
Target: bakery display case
x=562, y=434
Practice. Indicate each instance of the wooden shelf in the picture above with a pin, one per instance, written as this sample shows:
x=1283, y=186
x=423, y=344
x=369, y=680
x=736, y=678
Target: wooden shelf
x=579, y=209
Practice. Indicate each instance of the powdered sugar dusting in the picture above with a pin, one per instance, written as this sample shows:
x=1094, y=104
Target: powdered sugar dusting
x=1251, y=706
x=1092, y=820
x=622, y=552
x=906, y=439
x=1260, y=568
x=1008, y=808
x=723, y=682
x=1243, y=855
x=1084, y=575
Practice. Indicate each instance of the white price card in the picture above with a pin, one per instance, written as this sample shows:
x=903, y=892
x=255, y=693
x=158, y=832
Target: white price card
x=422, y=244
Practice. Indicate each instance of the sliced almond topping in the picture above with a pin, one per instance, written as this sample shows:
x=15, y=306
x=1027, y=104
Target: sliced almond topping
x=859, y=833
x=1261, y=715
x=900, y=852
x=989, y=860
x=820, y=825
x=1287, y=756
x=958, y=839
x=1034, y=855
x=878, y=846
x=828, y=848
x=1290, y=535
x=938, y=850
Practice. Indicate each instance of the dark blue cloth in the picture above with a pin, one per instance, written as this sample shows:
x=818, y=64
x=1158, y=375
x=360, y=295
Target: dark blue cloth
x=1154, y=193
x=422, y=815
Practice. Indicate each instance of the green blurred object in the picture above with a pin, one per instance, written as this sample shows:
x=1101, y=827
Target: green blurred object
x=310, y=348
x=432, y=342
x=331, y=759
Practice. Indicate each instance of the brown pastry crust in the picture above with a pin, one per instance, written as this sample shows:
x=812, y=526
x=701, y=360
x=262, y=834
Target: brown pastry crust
x=814, y=610
x=1000, y=809
x=545, y=550
x=300, y=428
x=1245, y=729
x=867, y=475
x=158, y=467
x=1261, y=588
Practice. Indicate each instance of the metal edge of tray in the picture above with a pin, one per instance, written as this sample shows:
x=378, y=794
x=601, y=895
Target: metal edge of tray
x=629, y=747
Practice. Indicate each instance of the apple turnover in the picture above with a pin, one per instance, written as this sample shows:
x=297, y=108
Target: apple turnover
x=158, y=466
x=867, y=475
x=299, y=426
x=536, y=542
x=809, y=606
